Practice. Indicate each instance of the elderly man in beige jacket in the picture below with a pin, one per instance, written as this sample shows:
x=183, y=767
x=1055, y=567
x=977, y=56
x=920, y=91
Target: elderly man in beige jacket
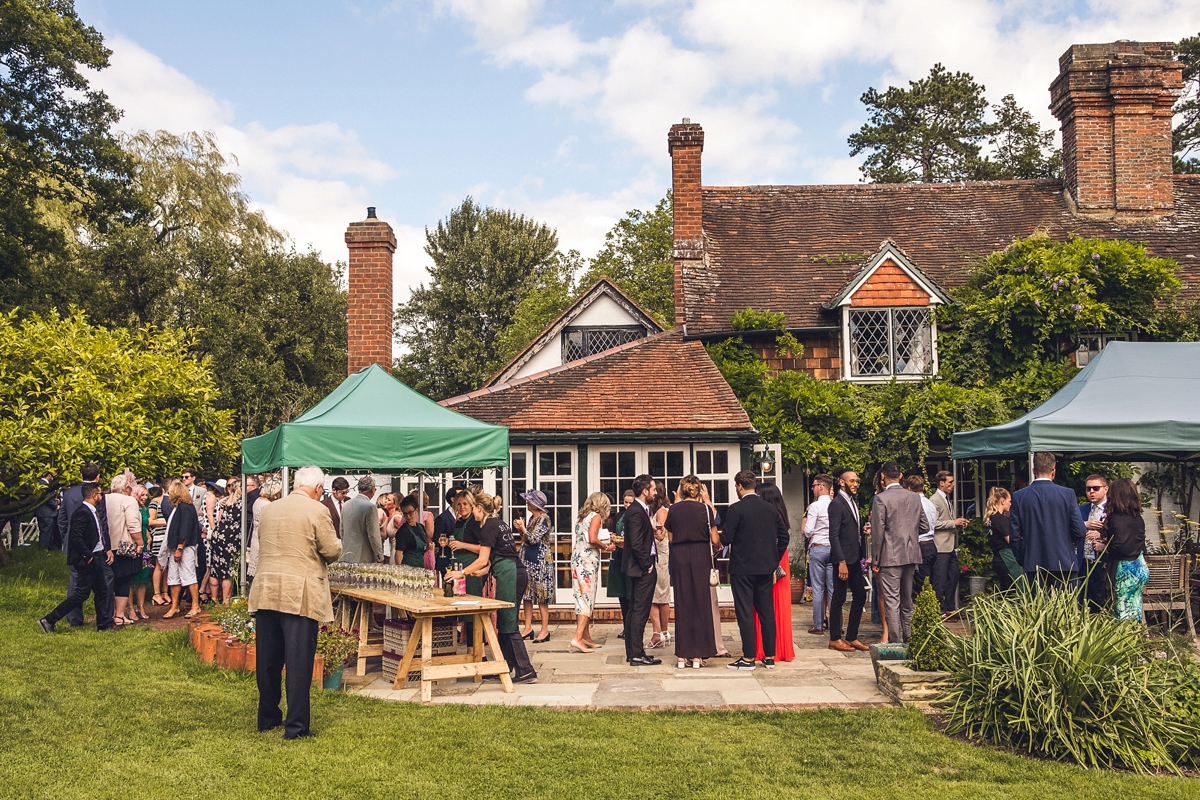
x=290, y=597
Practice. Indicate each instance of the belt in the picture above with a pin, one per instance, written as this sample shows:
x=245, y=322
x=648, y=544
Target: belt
x=818, y=545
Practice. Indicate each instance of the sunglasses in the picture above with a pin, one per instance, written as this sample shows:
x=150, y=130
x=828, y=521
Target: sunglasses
x=1093, y=488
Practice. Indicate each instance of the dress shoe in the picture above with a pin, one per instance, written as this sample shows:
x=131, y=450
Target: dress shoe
x=644, y=661
x=817, y=631
x=841, y=645
x=266, y=728
x=45, y=625
x=768, y=663
x=529, y=677
x=857, y=645
x=303, y=735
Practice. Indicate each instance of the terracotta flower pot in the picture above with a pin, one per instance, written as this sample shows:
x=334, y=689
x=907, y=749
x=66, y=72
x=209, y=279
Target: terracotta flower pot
x=251, y=657
x=196, y=631
x=319, y=668
x=236, y=655
x=208, y=645
x=797, y=590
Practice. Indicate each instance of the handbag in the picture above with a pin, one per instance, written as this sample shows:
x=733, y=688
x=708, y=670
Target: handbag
x=714, y=575
x=128, y=549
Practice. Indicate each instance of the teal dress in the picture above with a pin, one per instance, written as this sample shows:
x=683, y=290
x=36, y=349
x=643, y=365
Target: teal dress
x=618, y=582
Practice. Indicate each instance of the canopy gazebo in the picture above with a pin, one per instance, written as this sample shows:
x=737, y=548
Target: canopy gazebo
x=374, y=422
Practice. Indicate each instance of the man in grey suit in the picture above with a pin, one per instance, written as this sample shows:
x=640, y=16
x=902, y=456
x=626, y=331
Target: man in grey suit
x=362, y=542
x=945, y=539
x=897, y=522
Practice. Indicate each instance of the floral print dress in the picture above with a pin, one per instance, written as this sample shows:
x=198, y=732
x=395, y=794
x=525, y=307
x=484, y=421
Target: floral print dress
x=585, y=567
x=535, y=552
x=225, y=541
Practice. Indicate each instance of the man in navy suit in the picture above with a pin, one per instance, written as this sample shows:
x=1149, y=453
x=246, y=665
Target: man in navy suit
x=1046, y=528
x=88, y=554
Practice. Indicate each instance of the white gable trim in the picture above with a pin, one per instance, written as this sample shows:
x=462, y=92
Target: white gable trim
x=889, y=252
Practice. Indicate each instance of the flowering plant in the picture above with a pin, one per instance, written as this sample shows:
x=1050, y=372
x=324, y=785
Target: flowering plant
x=235, y=620
x=337, y=645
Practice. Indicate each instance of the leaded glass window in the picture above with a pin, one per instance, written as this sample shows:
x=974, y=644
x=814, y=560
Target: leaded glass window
x=890, y=341
x=579, y=343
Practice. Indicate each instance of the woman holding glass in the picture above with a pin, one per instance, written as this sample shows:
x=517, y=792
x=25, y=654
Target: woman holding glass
x=586, y=547
x=411, y=539
x=535, y=552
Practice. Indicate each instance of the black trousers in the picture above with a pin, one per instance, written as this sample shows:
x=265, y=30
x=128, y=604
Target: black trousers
x=292, y=640
x=1096, y=590
x=945, y=580
x=512, y=646
x=753, y=593
x=925, y=568
x=639, y=614
x=48, y=533
x=858, y=599
x=87, y=580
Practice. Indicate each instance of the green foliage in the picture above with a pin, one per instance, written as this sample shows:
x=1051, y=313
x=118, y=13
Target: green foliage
x=1023, y=309
x=1186, y=136
x=1020, y=148
x=540, y=307
x=931, y=131
x=56, y=150
x=743, y=368
x=751, y=319
x=973, y=543
x=72, y=392
x=637, y=256
x=337, y=645
x=486, y=261
x=1041, y=674
x=929, y=644
x=234, y=619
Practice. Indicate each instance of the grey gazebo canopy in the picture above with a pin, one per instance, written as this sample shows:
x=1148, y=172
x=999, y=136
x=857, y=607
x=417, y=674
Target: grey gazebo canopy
x=1133, y=401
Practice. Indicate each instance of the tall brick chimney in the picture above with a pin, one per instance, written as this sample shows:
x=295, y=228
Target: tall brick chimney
x=685, y=143
x=369, y=339
x=1114, y=103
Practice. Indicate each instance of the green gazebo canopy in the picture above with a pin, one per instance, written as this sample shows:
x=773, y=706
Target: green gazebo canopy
x=1133, y=401
x=373, y=421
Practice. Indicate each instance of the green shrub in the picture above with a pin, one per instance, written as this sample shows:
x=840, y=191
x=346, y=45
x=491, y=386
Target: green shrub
x=929, y=644
x=1040, y=674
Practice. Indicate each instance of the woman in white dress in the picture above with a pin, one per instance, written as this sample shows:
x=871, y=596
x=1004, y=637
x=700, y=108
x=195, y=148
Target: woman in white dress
x=586, y=547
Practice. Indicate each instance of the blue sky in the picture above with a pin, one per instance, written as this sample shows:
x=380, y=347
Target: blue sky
x=558, y=110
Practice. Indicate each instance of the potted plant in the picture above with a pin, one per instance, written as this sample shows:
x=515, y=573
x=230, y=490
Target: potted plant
x=798, y=573
x=238, y=628
x=335, y=646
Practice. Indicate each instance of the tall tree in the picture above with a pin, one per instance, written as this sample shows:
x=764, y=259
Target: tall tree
x=56, y=149
x=1187, y=111
x=637, y=256
x=486, y=261
x=931, y=131
x=541, y=306
x=1020, y=148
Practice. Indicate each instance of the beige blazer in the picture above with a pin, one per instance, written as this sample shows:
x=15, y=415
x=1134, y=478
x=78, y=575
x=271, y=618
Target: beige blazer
x=295, y=541
x=945, y=533
x=124, y=518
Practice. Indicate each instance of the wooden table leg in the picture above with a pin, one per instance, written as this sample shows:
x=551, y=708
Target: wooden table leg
x=477, y=645
x=364, y=614
x=426, y=624
x=410, y=650
x=485, y=619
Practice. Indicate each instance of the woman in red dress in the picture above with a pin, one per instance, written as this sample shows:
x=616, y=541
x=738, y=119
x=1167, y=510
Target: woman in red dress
x=782, y=591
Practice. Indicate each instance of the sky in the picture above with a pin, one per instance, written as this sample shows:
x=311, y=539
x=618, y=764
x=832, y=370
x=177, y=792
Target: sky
x=557, y=110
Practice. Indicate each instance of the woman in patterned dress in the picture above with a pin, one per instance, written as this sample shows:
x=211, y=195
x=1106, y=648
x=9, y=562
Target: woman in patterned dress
x=1124, y=541
x=535, y=552
x=585, y=566
x=225, y=542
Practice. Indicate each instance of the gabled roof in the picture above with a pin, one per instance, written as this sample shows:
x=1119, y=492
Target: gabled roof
x=603, y=286
x=791, y=249
x=658, y=384
x=889, y=252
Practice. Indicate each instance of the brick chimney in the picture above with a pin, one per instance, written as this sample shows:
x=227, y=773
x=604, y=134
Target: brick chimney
x=685, y=142
x=369, y=339
x=1114, y=103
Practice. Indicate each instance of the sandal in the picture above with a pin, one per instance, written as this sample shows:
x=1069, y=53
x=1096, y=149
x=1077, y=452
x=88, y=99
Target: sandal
x=681, y=665
x=170, y=614
x=195, y=612
x=660, y=643
x=160, y=600
x=143, y=615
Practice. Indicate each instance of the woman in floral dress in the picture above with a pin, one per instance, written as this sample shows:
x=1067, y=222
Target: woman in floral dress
x=585, y=566
x=535, y=552
x=225, y=542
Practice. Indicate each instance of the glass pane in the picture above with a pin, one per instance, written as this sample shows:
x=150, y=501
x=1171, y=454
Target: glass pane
x=563, y=463
x=608, y=465
x=914, y=341
x=704, y=462
x=609, y=487
x=675, y=463
x=656, y=463
x=720, y=461
x=720, y=493
x=572, y=346
x=870, y=345
x=518, y=464
x=545, y=463
x=627, y=463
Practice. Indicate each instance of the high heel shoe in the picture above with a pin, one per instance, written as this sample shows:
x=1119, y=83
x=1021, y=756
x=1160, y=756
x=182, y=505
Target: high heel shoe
x=681, y=665
x=662, y=642
x=575, y=645
x=541, y=641
x=527, y=636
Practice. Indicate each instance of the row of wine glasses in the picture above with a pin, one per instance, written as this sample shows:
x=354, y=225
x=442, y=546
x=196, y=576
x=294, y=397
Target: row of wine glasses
x=396, y=578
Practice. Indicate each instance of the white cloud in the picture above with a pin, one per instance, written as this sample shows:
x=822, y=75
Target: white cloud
x=309, y=180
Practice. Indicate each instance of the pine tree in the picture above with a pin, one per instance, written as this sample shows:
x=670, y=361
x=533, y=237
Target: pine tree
x=929, y=644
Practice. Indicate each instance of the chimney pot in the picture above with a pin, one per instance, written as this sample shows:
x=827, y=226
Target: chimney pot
x=687, y=120
x=371, y=212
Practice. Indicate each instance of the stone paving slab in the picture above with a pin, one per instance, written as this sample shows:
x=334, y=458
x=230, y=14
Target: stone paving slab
x=817, y=677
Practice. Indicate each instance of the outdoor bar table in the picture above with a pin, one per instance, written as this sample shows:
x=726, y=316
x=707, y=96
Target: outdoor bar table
x=424, y=611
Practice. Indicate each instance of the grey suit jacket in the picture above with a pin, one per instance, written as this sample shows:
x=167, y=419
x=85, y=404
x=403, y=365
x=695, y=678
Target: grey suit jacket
x=361, y=540
x=897, y=520
x=945, y=533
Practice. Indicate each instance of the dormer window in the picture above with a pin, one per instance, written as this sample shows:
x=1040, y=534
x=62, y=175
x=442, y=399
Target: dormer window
x=887, y=342
x=580, y=343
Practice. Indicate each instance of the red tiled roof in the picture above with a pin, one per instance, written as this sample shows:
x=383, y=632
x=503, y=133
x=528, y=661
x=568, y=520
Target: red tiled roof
x=660, y=383
x=792, y=248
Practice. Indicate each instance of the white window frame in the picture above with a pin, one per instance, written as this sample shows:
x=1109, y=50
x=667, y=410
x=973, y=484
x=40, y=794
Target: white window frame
x=847, y=365
x=560, y=540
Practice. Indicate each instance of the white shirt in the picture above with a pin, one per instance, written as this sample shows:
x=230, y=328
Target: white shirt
x=1095, y=515
x=816, y=526
x=100, y=541
x=930, y=514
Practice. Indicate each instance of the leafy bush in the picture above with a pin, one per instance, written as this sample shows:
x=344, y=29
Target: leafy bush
x=929, y=644
x=235, y=619
x=337, y=645
x=1042, y=675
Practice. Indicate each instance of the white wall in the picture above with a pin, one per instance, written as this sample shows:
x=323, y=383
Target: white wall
x=602, y=311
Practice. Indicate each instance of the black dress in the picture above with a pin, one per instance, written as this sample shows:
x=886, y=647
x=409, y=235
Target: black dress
x=997, y=531
x=691, y=559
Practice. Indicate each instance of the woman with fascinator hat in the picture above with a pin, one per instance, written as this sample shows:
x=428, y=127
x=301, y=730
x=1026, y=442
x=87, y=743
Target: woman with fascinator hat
x=536, y=552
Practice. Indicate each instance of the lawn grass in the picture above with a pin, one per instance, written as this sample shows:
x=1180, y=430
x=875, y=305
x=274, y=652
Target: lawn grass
x=95, y=715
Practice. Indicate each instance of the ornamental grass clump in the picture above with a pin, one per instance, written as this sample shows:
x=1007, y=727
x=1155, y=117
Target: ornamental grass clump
x=1040, y=674
x=929, y=643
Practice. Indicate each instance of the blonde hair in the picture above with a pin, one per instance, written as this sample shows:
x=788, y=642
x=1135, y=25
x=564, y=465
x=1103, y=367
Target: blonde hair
x=486, y=501
x=597, y=502
x=995, y=498
x=690, y=487
x=179, y=494
x=271, y=488
x=464, y=497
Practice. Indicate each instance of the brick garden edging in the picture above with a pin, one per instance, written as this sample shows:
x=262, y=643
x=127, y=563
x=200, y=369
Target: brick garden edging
x=216, y=647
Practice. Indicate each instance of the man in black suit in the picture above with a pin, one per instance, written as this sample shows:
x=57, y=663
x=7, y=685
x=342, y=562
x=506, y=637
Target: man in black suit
x=845, y=536
x=637, y=561
x=88, y=549
x=72, y=500
x=758, y=538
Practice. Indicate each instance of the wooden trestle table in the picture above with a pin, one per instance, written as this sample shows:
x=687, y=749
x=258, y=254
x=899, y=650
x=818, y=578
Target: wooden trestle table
x=424, y=611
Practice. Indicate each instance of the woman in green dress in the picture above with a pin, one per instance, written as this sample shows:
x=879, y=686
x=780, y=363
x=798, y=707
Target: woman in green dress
x=411, y=541
x=618, y=582
x=498, y=551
